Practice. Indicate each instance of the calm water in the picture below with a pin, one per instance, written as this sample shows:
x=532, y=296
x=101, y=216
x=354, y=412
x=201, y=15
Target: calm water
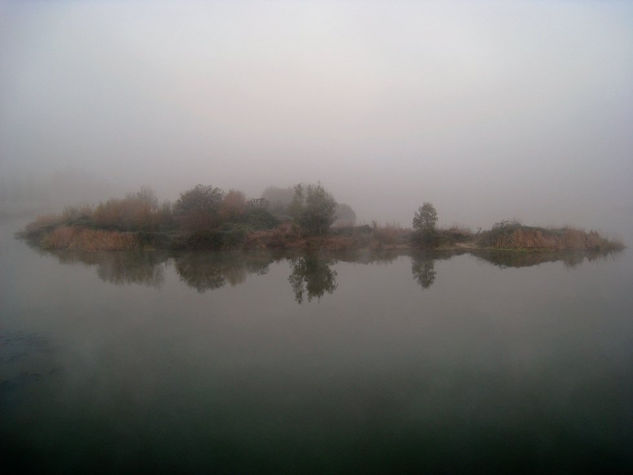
x=241, y=363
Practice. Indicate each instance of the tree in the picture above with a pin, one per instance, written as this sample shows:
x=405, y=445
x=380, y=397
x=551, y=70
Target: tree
x=313, y=209
x=425, y=218
x=424, y=222
x=197, y=209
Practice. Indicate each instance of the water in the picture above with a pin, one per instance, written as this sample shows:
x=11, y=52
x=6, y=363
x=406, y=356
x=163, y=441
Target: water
x=250, y=363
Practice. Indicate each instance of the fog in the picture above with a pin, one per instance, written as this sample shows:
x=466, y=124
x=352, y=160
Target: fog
x=490, y=110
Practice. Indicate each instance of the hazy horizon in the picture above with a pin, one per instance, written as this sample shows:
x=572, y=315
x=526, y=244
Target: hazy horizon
x=490, y=110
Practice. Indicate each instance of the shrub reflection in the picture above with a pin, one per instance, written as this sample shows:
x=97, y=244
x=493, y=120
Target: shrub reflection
x=533, y=258
x=121, y=267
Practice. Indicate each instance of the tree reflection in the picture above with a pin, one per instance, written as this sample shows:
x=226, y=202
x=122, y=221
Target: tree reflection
x=423, y=269
x=311, y=276
x=201, y=271
x=211, y=270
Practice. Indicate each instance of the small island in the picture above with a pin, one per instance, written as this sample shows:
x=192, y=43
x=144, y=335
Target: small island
x=303, y=217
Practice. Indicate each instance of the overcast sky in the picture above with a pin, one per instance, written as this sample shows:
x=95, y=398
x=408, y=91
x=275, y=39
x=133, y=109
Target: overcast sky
x=488, y=109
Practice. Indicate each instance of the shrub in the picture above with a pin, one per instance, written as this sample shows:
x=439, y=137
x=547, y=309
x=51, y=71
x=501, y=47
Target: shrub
x=197, y=209
x=136, y=212
x=259, y=218
x=233, y=205
x=389, y=234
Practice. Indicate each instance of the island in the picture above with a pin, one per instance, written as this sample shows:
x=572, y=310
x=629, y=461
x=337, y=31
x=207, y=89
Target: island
x=298, y=218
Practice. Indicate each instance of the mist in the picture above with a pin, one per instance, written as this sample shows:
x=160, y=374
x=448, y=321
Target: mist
x=490, y=110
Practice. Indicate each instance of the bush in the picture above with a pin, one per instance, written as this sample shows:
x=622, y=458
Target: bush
x=233, y=205
x=136, y=212
x=457, y=234
x=389, y=234
x=232, y=235
x=258, y=218
x=225, y=237
x=197, y=210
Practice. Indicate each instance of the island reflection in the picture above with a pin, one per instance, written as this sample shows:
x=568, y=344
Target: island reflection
x=311, y=273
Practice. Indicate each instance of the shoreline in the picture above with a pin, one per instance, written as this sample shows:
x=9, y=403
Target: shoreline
x=285, y=238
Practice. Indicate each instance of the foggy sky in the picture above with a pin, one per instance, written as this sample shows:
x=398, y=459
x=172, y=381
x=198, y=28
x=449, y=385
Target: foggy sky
x=490, y=110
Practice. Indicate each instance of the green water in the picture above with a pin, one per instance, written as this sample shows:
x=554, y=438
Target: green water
x=251, y=363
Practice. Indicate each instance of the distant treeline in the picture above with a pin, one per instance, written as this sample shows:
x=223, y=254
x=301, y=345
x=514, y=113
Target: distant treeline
x=305, y=216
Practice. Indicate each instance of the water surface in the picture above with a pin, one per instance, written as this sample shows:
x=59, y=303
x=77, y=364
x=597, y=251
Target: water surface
x=243, y=363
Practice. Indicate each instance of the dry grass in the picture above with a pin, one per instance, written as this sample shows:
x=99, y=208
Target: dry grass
x=287, y=236
x=284, y=236
x=76, y=238
x=516, y=236
x=390, y=234
x=43, y=224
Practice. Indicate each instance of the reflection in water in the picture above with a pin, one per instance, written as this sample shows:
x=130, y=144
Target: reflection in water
x=121, y=267
x=140, y=267
x=423, y=270
x=385, y=377
x=533, y=258
x=25, y=358
x=423, y=264
x=367, y=256
x=211, y=270
x=311, y=275
x=203, y=272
